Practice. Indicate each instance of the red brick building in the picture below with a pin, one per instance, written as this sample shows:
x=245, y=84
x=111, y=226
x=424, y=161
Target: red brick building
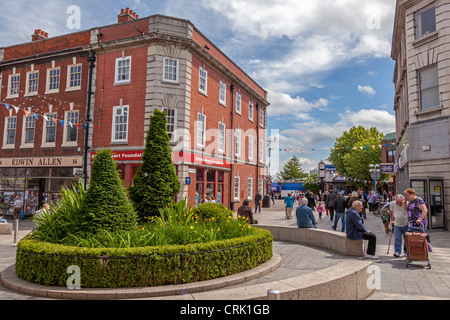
x=43, y=105
x=216, y=112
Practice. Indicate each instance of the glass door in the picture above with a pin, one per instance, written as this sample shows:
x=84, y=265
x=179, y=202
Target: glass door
x=436, y=207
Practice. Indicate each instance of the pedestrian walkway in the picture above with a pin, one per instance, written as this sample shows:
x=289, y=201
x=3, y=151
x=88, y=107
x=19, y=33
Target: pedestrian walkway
x=397, y=281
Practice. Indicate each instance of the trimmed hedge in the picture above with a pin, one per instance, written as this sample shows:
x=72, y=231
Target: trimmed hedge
x=46, y=263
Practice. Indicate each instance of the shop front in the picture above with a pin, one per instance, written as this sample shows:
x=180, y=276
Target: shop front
x=36, y=180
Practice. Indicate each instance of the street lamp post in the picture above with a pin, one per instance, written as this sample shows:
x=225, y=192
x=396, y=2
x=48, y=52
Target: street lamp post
x=375, y=173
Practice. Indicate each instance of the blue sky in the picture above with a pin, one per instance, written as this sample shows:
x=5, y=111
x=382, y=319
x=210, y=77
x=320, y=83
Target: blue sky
x=325, y=63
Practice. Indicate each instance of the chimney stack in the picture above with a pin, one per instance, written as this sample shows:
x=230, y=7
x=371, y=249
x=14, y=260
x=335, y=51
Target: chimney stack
x=39, y=35
x=127, y=15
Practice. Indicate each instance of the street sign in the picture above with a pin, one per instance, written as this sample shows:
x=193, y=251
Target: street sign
x=375, y=175
x=188, y=181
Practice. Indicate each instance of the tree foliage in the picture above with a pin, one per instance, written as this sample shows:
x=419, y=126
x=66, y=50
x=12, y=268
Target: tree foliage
x=155, y=183
x=348, y=157
x=106, y=205
x=292, y=170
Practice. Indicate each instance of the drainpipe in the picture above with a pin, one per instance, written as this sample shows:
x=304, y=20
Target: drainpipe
x=91, y=60
x=232, y=150
x=257, y=147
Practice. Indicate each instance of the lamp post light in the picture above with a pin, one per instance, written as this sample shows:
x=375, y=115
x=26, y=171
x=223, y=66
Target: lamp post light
x=375, y=174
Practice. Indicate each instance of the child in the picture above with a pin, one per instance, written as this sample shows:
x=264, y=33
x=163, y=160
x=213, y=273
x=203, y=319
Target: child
x=320, y=210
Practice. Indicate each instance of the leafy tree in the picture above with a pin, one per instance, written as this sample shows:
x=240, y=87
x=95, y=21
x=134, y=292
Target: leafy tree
x=155, y=183
x=106, y=205
x=348, y=157
x=292, y=170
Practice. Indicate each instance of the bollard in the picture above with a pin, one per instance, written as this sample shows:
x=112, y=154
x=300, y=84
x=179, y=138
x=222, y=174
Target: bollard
x=16, y=230
x=273, y=294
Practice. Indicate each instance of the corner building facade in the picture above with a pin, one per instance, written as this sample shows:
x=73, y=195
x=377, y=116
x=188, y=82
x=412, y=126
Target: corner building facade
x=216, y=113
x=420, y=48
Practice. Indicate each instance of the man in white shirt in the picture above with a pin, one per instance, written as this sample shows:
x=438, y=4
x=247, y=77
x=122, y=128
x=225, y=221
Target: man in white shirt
x=399, y=218
x=18, y=204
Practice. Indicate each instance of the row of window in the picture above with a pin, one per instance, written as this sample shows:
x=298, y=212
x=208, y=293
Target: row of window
x=52, y=83
x=120, y=132
x=170, y=74
x=237, y=188
x=203, y=88
x=201, y=139
x=49, y=131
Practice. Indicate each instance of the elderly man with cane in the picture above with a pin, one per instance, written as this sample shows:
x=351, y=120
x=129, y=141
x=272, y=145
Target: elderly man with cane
x=399, y=221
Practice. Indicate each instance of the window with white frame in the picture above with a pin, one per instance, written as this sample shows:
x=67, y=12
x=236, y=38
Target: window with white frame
x=221, y=138
x=201, y=130
x=223, y=93
x=50, y=128
x=261, y=186
x=13, y=86
x=10, y=131
x=261, y=151
x=70, y=128
x=238, y=103
x=250, y=111
x=53, y=77
x=261, y=117
x=123, y=70
x=203, y=81
x=250, y=148
x=237, y=143
x=429, y=88
x=171, y=115
x=170, y=72
x=250, y=188
x=425, y=21
x=28, y=130
x=32, y=83
x=120, y=124
x=74, y=77
x=237, y=187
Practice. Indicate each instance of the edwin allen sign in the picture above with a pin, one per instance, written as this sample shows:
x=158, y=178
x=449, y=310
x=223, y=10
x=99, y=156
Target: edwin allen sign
x=41, y=162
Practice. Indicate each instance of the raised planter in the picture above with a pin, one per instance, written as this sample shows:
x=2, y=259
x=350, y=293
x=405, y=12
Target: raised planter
x=47, y=263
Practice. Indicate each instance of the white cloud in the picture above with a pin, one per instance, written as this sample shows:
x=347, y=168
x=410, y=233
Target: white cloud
x=367, y=90
x=283, y=104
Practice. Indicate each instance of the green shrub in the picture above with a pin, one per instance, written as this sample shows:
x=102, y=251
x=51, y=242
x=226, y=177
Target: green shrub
x=206, y=211
x=46, y=263
x=155, y=183
x=63, y=218
x=106, y=206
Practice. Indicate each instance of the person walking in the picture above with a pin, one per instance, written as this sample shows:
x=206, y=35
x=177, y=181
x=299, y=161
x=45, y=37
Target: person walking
x=258, y=198
x=305, y=216
x=416, y=209
x=330, y=203
x=339, y=206
x=18, y=205
x=363, y=198
x=325, y=197
x=289, y=203
x=356, y=231
x=399, y=221
x=320, y=210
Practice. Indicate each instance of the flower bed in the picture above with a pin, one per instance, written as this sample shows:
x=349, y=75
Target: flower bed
x=46, y=263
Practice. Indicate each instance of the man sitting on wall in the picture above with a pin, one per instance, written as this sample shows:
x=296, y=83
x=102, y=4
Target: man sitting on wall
x=356, y=231
x=305, y=216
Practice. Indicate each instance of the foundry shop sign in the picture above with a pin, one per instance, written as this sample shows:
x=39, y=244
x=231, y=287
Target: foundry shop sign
x=41, y=162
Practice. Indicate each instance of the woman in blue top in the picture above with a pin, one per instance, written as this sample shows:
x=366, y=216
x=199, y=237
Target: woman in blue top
x=417, y=210
x=289, y=202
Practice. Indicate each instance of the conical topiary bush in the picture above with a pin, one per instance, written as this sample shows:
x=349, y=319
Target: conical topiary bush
x=106, y=206
x=155, y=183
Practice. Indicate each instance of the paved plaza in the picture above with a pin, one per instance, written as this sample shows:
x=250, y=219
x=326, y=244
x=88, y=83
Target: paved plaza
x=397, y=281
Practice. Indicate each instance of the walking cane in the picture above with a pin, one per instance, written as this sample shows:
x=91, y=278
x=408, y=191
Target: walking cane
x=390, y=238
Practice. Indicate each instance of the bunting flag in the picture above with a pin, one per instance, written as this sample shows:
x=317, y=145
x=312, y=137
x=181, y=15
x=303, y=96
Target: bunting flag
x=36, y=114
x=330, y=149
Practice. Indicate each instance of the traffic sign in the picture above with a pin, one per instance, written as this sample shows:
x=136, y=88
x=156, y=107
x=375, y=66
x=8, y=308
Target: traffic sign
x=188, y=181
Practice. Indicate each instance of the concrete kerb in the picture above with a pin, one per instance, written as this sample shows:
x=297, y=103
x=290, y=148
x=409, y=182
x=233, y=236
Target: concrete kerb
x=346, y=280
x=9, y=280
